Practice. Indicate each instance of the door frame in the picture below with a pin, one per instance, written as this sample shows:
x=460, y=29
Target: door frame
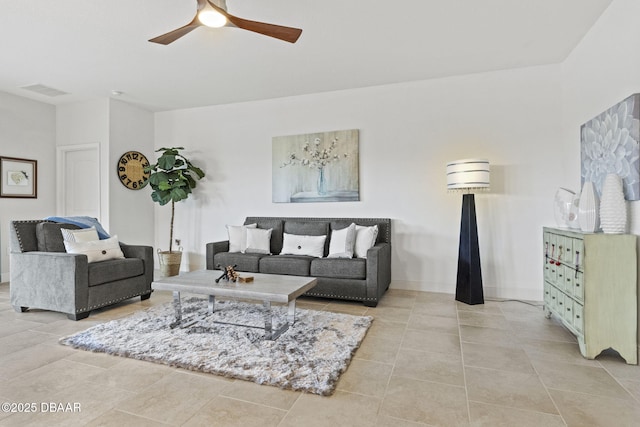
x=61, y=192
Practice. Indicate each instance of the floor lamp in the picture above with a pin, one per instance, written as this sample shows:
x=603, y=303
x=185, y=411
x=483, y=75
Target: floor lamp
x=468, y=176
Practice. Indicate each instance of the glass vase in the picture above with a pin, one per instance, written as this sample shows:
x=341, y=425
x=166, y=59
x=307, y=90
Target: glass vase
x=322, y=190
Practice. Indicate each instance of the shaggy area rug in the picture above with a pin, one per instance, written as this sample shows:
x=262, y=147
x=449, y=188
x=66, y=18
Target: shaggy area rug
x=310, y=356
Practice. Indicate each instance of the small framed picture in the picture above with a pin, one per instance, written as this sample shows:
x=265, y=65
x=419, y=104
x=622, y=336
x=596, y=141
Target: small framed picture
x=18, y=177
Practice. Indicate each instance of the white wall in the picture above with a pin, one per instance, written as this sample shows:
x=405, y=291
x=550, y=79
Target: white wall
x=601, y=71
x=27, y=130
x=117, y=127
x=408, y=132
x=130, y=211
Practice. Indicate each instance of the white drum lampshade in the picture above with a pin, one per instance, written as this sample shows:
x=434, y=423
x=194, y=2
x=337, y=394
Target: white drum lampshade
x=468, y=174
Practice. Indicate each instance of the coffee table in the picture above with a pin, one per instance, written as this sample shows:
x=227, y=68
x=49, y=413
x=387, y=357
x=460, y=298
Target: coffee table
x=267, y=288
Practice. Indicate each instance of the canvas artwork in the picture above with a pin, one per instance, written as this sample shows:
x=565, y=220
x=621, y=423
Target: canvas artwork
x=609, y=143
x=18, y=177
x=315, y=167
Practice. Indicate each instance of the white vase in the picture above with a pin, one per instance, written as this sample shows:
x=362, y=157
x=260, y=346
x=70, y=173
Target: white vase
x=589, y=209
x=613, y=208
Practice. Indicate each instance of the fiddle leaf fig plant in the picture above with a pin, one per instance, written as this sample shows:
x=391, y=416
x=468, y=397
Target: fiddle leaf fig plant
x=172, y=179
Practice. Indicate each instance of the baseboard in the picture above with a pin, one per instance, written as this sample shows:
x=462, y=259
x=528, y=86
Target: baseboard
x=489, y=291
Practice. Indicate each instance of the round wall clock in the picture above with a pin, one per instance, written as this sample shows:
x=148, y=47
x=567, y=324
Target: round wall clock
x=131, y=170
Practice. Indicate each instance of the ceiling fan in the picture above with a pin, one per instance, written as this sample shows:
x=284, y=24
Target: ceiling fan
x=213, y=13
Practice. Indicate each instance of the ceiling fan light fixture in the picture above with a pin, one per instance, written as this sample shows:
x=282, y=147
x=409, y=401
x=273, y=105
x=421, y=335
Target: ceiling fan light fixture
x=212, y=18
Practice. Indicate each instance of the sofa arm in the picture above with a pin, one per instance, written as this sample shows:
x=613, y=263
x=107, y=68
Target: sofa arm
x=214, y=248
x=143, y=252
x=378, y=272
x=55, y=281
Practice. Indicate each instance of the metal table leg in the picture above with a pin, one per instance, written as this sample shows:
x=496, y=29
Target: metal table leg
x=178, y=309
x=291, y=314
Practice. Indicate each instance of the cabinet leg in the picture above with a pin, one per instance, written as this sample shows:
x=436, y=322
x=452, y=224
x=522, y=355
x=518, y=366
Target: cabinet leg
x=547, y=312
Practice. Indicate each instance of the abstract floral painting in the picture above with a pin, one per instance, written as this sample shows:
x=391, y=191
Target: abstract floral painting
x=315, y=167
x=609, y=143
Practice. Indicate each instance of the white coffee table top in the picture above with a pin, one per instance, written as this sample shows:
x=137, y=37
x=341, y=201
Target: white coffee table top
x=265, y=287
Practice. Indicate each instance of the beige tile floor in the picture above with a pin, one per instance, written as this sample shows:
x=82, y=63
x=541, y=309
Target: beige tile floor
x=426, y=360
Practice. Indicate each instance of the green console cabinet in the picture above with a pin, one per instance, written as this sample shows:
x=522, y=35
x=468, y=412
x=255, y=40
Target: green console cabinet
x=590, y=284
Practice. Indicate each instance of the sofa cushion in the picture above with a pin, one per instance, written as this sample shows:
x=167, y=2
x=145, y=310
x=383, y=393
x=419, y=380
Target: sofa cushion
x=293, y=265
x=114, y=269
x=50, y=237
x=294, y=244
x=342, y=242
x=259, y=241
x=81, y=235
x=342, y=268
x=365, y=239
x=96, y=250
x=309, y=228
x=243, y=262
x=276, y=225
x=238, y=237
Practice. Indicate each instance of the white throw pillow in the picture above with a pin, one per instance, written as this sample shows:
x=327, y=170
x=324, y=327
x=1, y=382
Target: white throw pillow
x=365, y=239
x=238, y=237
x=258, y=241
x=294, y=244
x=96, y=250
x=342, y=242
x=81, y=235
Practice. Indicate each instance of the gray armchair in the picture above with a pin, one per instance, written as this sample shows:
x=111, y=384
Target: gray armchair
x=44, y=276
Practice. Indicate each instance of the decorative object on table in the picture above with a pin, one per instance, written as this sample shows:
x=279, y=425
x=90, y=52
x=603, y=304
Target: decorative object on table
x=613, y=208
x=468, y=176
x=245, y=279
x=172, y=179
x=18, y=178
x=610, y=144
x=310, y=356
x=565, y=209
x=316, y=167
x=229, y=273
x=589, y=209
x=213, y=14
x=133, y=170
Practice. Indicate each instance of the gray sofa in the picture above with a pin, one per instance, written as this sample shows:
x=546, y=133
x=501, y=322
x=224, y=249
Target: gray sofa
x=355, y=279
x=44, y=276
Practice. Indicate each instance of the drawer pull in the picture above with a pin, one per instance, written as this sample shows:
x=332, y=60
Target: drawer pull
x=577, y=316
x=577, y=285
x=568, y=279
x=568, y=309
x=553, y=297
x=560, y=302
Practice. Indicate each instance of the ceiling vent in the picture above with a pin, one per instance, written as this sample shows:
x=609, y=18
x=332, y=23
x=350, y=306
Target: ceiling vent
x=44, y=90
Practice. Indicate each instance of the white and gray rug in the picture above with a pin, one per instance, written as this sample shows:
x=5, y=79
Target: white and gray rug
x=308, y=357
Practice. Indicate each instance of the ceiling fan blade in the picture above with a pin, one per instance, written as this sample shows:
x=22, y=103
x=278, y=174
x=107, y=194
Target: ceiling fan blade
x=174, y=35
x=280, y=32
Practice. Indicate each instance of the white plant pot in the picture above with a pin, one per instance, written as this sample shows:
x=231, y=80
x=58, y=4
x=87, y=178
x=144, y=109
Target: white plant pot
x=613, y=208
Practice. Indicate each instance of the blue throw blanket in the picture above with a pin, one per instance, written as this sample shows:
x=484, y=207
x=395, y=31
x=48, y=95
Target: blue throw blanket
x=82, y=222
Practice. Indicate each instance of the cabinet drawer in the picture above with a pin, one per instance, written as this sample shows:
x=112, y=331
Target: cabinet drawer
x=553, y=299
x=578, y=254
x=578, y=320
x=547, y=294
x=578, y=286
x=567, y=312
x=553, y=274
x=567, y=250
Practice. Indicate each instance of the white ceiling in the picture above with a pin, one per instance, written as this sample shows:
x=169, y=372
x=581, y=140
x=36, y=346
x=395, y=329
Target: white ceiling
x=89, y=48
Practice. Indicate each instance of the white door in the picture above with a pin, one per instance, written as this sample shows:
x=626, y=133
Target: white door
x=79, y=178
